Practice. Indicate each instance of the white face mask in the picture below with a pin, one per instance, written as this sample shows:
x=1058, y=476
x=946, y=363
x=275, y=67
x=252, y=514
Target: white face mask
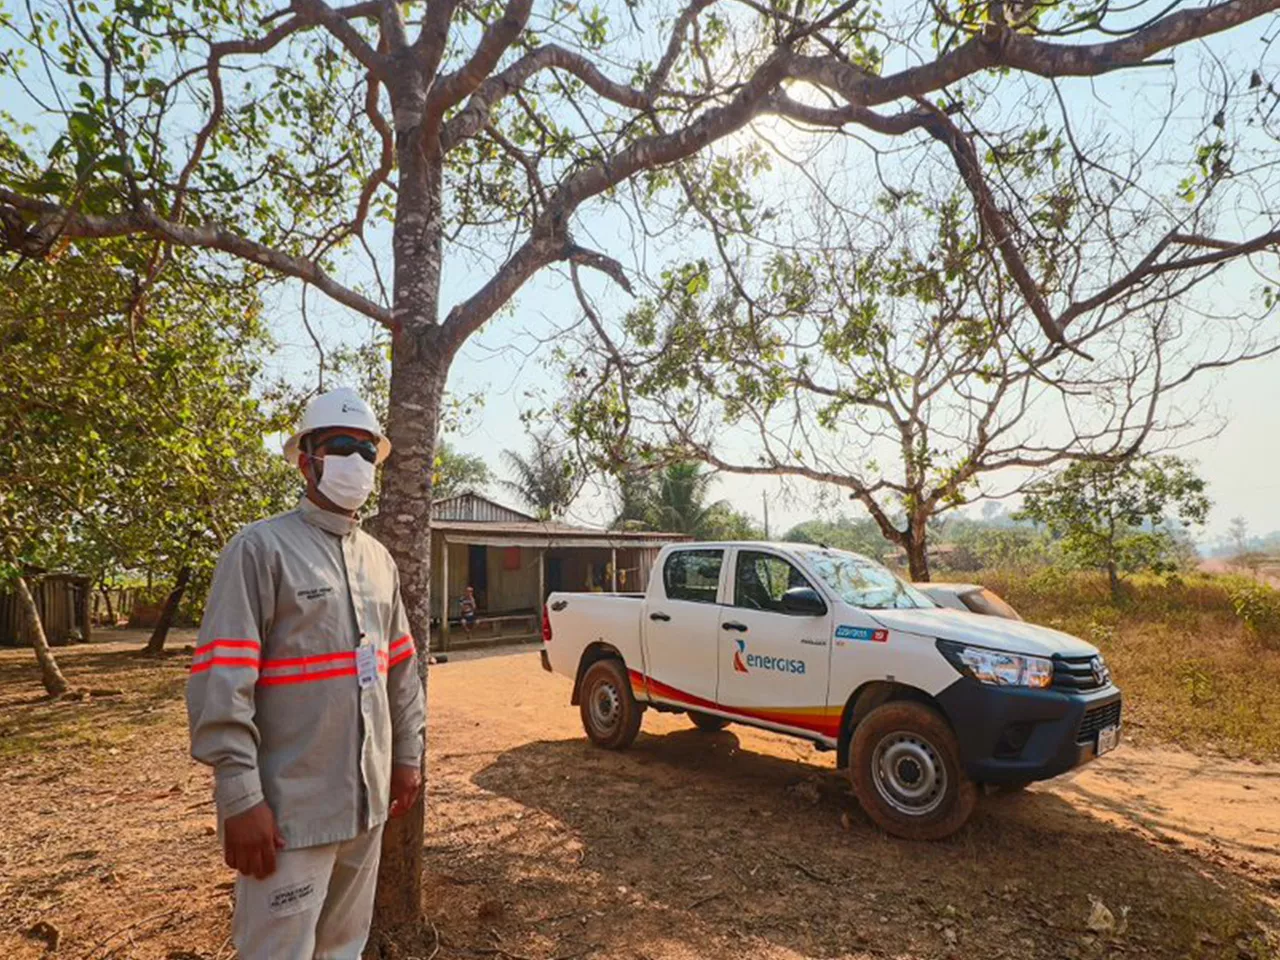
x=347, y=481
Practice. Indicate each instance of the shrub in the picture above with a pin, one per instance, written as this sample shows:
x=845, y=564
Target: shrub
x=1197, y=678
x=1259, y=607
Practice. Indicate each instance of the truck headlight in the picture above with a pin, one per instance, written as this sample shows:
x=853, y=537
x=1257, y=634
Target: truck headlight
x=997, y=667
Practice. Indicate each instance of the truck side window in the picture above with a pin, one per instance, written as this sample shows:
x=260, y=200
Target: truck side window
x=693, y=575
x=761, y=579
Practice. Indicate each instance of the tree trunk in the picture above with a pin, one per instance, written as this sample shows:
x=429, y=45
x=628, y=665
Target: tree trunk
x=84, y=609
x=106, y=596
x=420, y=358
x=55, y=684
x=1113, y=576
x=155, y=646
x=404, y=527
x=917, y=539
x=917, y=557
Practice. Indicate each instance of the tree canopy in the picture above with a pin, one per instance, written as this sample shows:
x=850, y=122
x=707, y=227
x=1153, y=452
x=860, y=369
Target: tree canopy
x=895, y=363
x=1116, y=516
x=458, y=472
x=130, y=439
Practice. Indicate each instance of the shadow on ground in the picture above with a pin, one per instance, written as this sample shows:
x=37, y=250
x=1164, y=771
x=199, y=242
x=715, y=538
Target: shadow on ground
x=691, y=845
x=133, y=691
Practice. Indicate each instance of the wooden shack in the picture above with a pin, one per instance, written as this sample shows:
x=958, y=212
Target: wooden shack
x=513, y=560
x=64, y=601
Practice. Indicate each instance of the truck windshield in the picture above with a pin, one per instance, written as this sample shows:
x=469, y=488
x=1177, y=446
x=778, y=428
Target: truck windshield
x=861, y=583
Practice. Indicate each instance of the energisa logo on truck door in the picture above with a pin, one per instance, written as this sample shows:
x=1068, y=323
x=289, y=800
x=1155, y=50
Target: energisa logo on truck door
x=744, y=662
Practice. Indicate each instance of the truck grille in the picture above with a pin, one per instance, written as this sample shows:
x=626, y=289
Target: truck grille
x=1107, y=715
x=1077, y=673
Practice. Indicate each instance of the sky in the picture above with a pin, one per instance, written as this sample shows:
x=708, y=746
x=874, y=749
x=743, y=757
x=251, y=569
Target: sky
x=503, y=363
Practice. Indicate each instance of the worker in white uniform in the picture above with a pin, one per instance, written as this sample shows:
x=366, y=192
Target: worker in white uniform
x=304, y=698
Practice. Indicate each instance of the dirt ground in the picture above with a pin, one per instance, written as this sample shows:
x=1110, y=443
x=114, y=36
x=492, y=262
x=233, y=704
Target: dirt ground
x=741, y=844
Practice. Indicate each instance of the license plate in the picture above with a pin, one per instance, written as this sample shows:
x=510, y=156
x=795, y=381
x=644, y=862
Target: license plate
x=1108, y=739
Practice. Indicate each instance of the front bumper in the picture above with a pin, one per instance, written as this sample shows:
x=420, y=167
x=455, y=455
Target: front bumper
x=1016, y=735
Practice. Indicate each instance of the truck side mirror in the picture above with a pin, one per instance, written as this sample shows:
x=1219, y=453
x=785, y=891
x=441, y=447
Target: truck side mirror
x=804, y=602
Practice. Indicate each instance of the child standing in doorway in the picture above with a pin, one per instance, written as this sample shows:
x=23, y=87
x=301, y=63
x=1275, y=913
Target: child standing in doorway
x=467, y=608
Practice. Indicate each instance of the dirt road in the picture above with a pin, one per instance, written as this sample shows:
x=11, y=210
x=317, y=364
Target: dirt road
x=1227, y=810
x=741, y=844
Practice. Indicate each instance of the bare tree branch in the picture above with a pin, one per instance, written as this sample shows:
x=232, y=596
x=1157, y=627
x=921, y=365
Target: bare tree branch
x=433, y=36
x=455, y=87
x=581, y=256
x=474, y=117
x=338, y=23
x=784, y=106
x=548, y=242
x=993, y=219
x=999, y=46
x=386, y=159
x=392, y=22
x=674, y=45
x=1149, y=268
x=52, y=222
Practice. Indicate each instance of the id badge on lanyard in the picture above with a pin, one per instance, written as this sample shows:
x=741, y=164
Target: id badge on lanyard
x=366, y=665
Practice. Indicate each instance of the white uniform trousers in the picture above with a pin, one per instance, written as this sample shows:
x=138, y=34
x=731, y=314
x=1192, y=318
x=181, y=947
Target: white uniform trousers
x=318, y=905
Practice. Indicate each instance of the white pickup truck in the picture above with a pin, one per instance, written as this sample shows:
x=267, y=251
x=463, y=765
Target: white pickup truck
x=922, y=704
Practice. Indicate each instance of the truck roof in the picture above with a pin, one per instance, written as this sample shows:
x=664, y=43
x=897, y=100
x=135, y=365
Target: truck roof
x=792, y=546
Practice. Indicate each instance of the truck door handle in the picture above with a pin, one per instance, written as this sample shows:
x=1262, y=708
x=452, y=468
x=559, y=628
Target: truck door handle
x=660, y=616
x=734, y=625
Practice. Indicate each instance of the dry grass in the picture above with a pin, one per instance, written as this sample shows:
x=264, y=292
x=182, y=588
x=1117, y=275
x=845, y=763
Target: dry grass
x=1191, y=672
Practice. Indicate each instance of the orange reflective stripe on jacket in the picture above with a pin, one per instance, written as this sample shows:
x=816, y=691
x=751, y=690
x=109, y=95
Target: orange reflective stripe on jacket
x=213, y=654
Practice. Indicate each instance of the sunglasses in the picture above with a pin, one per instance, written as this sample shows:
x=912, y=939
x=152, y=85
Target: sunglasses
x=344, y=446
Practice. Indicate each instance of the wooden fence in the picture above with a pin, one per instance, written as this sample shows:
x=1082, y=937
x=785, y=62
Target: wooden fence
x=64, y=604
x=124, y=601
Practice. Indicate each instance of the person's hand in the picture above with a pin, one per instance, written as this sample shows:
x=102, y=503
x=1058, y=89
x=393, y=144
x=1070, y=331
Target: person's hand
x=406, y=781
x=250, y=842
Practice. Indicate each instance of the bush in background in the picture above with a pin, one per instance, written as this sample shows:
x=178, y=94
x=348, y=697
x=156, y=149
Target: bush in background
x=1258, y=607
x=1121, y=517
x=1196, y=654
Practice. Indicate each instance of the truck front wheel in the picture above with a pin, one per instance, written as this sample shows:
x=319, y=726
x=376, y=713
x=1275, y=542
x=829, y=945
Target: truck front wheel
x=904, y=762
x=610, y=713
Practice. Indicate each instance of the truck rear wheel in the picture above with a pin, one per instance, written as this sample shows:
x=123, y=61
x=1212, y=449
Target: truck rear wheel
x=708, y=722
x=610, y=714
x=904, y=762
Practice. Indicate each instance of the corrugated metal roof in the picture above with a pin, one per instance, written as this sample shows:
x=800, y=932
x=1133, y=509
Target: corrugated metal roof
x=471, y=518
x=536, y=533
x=471, y=506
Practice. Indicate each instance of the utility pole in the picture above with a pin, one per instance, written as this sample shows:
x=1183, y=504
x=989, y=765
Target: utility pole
x=764, y=498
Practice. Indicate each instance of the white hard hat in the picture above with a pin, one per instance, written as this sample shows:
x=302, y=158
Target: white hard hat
x=341, y=407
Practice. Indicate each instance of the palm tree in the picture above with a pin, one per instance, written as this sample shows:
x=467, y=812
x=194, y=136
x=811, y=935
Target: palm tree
x=675, y=501
x=636, y=501
x=680, y=501
x=545, y=480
